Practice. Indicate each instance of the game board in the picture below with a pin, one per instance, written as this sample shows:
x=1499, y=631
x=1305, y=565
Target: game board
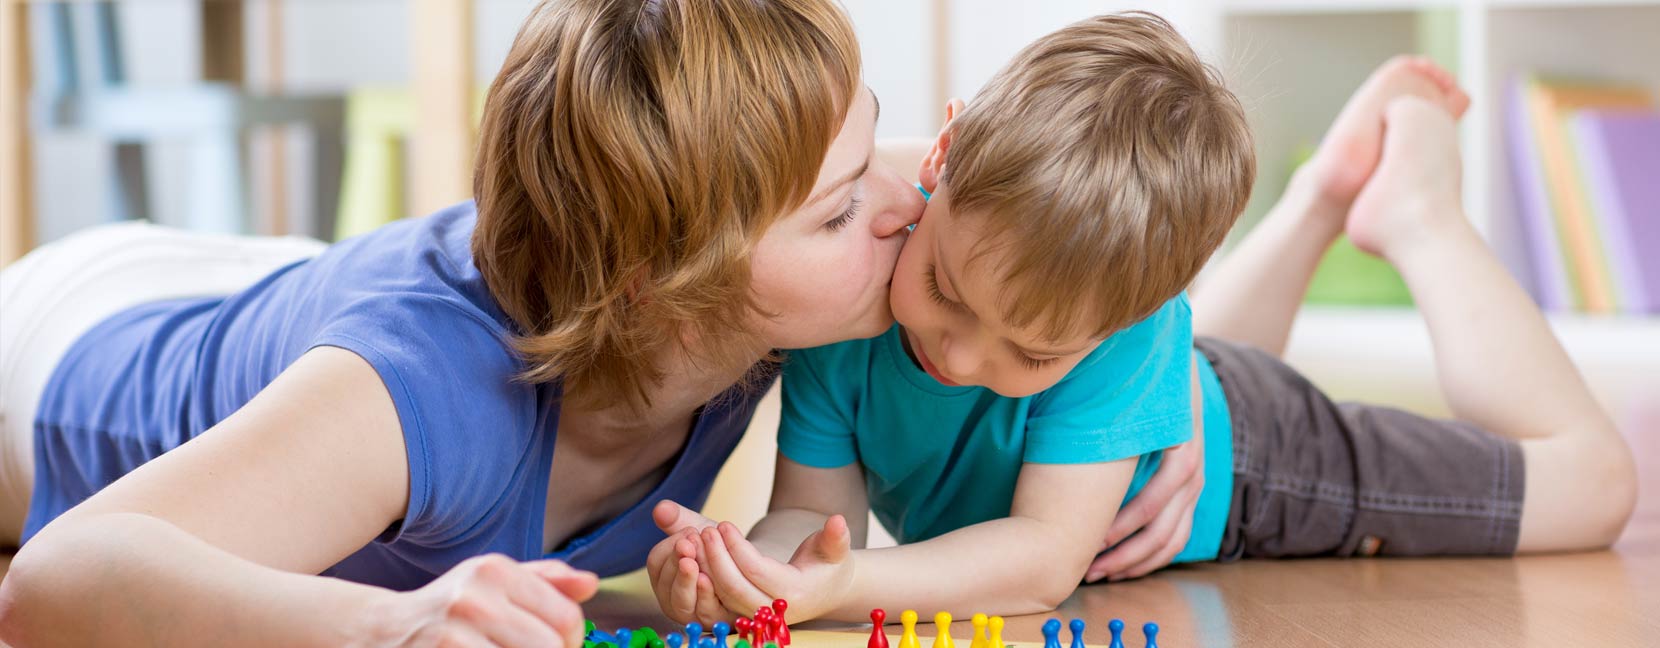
x=768, y=630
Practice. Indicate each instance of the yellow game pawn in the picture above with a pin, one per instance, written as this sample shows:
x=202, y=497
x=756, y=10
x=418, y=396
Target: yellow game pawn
x=996, y=632
x=942, y=626
x=908, y=639
x=979, y=622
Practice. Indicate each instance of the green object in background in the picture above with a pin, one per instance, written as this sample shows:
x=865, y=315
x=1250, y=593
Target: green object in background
x=1347, y=276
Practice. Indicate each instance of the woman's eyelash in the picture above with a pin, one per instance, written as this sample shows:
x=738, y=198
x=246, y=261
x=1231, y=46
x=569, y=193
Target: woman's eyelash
x=836, y=224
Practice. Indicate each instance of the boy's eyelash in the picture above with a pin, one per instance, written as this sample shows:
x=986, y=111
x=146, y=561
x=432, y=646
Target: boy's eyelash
x=1034, y=363
x=836, y=224
x=934, y=290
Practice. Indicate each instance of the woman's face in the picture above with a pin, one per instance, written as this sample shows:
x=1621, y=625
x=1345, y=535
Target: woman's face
x=822, y=271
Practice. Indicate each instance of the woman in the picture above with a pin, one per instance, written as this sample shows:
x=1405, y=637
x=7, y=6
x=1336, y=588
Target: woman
x=666, y=191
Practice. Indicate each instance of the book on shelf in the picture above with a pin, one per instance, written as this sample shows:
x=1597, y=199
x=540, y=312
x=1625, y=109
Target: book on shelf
x=1619, y=159
x=1567, y=239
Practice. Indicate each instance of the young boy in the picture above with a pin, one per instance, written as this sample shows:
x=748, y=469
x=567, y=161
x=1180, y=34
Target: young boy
x=1044, y=355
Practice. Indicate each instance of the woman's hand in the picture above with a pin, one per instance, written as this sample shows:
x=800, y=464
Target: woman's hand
x=814, y=581
x=488, y=601
x=1158, y=520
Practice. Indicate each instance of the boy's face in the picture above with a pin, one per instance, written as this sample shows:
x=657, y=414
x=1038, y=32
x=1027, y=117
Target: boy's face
x=953, y=324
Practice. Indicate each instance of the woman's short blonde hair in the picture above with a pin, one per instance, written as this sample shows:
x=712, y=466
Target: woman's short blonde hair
x=631, y=154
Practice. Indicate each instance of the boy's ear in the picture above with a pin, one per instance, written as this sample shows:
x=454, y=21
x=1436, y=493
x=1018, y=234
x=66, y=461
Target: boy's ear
x=933, y=164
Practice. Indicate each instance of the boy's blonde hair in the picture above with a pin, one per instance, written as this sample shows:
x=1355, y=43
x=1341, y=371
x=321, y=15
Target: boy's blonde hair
x=1105, y=158
x=632, y=152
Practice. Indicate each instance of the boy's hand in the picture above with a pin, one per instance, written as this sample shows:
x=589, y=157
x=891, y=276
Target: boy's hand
x=815, y=580
x=684, y=593
x=1158, y=520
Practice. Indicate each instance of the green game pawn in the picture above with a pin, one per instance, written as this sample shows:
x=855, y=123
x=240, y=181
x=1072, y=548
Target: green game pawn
x=643, y=637
x=742, y=643
x=772, y=644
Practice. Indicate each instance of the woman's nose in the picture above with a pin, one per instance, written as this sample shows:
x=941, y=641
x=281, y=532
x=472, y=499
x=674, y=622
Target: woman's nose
x=900, y=207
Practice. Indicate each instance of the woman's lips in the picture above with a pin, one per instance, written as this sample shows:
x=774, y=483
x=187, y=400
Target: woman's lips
x=928, y=367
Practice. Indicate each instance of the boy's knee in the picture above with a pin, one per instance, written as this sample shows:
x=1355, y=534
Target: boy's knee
x=1613, y=471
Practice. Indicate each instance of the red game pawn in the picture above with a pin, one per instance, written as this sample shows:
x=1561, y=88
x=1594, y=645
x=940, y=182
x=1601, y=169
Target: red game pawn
x=878, y=638
x=763, y=627
x=782, y=631
x=744, y=626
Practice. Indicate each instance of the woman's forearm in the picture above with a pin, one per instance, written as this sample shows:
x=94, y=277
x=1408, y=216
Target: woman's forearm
x=126, y=578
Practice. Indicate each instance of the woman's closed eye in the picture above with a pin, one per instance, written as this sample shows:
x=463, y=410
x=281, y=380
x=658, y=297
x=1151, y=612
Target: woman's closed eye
x=846, y=217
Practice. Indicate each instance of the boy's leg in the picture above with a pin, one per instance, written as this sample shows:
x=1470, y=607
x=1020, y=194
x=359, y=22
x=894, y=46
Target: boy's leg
x=1499, y=365
x=1253, y=294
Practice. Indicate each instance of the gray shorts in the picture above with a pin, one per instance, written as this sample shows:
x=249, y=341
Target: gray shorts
x=1317, y=478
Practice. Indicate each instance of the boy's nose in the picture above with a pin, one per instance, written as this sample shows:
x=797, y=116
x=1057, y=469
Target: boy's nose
x=961, y=360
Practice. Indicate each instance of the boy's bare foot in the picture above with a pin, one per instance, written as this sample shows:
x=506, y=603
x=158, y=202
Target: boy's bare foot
x=1415, y=191
x=1349, y=152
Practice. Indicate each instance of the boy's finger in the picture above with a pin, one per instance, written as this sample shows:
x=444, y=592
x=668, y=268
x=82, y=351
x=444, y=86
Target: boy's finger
x=671, y=517
x=683, y=593
x=734, y=588
x=709, y=608
x=756, y=567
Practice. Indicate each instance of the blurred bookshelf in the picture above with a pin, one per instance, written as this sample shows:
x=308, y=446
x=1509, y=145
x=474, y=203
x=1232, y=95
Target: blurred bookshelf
x=1294, y=62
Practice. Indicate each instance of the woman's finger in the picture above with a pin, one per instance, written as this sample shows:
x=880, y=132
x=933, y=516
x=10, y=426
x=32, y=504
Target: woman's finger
x=1164, y=556
x=1178, y=466
x=1138, y=548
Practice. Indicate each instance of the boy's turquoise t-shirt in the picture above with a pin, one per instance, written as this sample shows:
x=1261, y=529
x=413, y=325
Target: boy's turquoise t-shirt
x=940, y=458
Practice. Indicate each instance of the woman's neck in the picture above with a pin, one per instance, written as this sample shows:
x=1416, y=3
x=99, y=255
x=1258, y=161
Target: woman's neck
x=688, y=383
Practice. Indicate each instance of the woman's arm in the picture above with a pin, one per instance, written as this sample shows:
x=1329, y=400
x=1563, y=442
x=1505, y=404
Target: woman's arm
x=213, y=543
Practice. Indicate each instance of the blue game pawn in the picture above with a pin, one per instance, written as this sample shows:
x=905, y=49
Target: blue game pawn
x=624, y=637
x=693, y=631
x=1117, y=628
x=1152, y=632
x=1077, y=626
x=1052, y=633
x=675, y=641
x=706, y=642
x=721, y=630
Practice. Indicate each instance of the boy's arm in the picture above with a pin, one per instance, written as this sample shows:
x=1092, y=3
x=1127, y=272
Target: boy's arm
x=803, y=497
x=1025, y=563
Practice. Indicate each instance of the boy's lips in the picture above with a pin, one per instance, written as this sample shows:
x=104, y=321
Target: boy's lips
x=928, y=367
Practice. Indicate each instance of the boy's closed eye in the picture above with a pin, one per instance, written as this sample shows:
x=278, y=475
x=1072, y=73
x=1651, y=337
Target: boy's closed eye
x=1027, y=359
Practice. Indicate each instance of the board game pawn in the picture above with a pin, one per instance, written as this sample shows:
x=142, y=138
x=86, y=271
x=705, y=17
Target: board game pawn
x=742, y=643
x=721, y=630
x=763, y=627
x=675, y=640
x=1052, y=633
x=624, y=637
x=1117, y=628
x=942, y=630
x=979, y=622
x=1152, y=632
x=908, y=639
x=783, y=626
x=1077, y=626
x=996, y=632
x=693, y=631
x=706, y=642
x=878, y=637
x=655, y=642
